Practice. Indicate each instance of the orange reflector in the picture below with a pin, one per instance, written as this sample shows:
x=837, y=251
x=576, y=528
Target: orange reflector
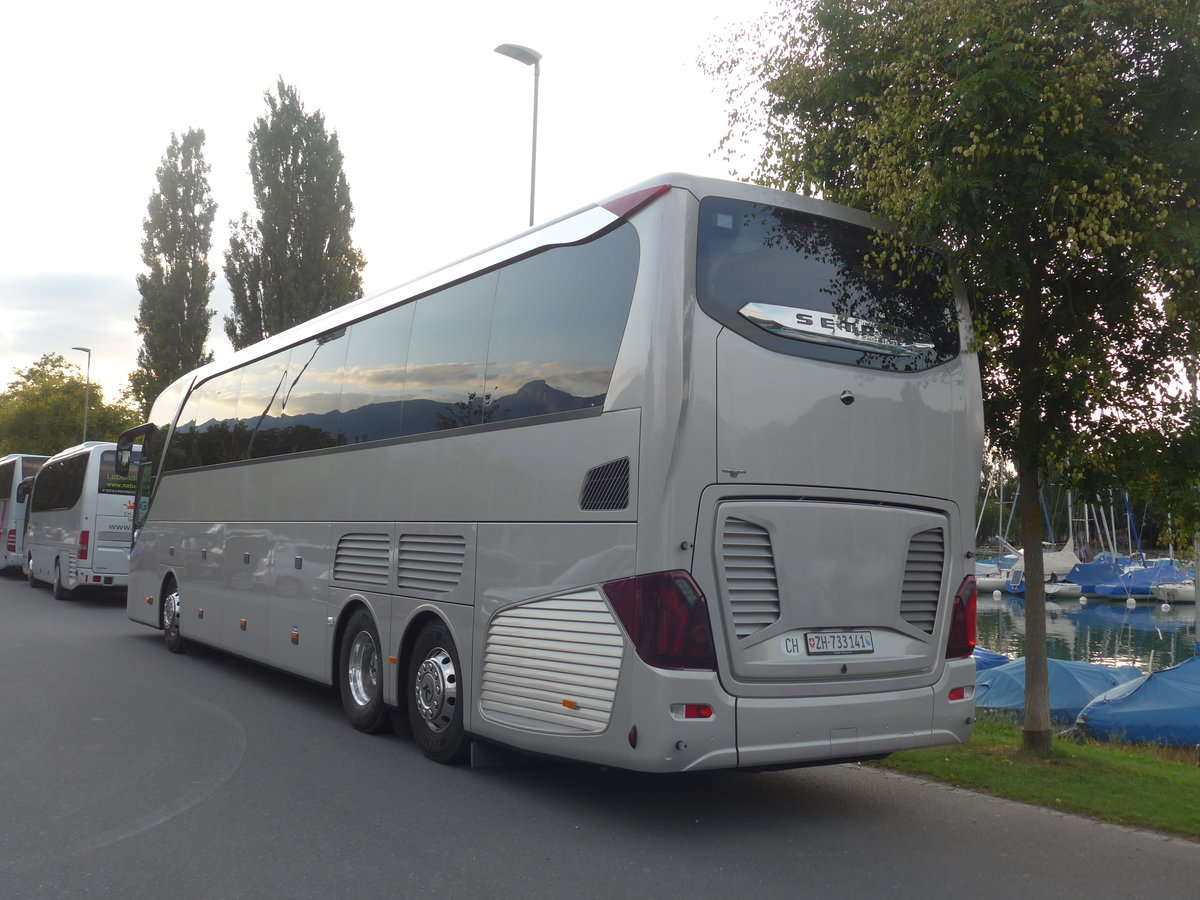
x=150, y=600
x=392, y=660
x=570, y=704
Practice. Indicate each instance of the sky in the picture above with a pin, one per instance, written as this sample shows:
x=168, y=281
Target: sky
x=435, y=129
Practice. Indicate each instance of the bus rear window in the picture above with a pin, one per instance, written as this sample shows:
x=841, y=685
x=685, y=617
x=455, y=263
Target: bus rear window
x=820, y=288
x=110, y=481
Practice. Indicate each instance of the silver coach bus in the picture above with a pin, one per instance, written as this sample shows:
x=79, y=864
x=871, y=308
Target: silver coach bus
x=682, y=480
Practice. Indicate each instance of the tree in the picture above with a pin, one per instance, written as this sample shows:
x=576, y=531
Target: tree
x=1052, y=146
x=42, y=410
x=173, y=315
x=296, y=260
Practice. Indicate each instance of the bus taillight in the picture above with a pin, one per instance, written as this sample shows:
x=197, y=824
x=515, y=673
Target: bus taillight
x=666, y=618
x=12, y=540
x=961, y=642
x=85, y=538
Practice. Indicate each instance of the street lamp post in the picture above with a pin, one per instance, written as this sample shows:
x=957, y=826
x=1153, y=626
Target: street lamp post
x=530, y=58
x=87, y=387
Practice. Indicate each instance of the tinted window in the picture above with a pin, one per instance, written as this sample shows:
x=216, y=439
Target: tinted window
x=305, y=416
x=7, y=470
x=208, y=432
x=372, y=391
x=60, y=484
x=443, y=381
x=812, y=286
x=112, y=483
x=557, y=327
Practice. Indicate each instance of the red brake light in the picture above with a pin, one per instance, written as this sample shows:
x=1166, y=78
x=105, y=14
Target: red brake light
x=666, y=618
x=84, y=539
x=631, y=203
x=961, y=641
x=12, y=540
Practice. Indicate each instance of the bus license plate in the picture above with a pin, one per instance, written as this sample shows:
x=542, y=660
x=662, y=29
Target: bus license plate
x=830, y=643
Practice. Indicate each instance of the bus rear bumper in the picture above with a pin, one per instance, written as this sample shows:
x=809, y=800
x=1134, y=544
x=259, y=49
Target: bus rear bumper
x=781, y=732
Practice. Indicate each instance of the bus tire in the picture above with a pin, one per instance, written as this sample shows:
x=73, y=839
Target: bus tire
x=170, y=620
x=60, y=592
x=360, y=674
x=435, y=699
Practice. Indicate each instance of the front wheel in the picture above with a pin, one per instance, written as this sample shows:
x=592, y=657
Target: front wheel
x=60, y=592
x=33, y=579
x=170, y=621
x=435, y=696
x=360, y=674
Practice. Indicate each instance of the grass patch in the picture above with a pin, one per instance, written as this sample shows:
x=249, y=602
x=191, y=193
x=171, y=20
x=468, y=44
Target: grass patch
x=1127, y=784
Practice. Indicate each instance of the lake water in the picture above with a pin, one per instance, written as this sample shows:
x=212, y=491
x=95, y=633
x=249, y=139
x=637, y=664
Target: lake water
x=1099, y=631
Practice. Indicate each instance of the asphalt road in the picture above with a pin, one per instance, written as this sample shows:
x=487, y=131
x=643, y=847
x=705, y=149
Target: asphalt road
x=129, y=772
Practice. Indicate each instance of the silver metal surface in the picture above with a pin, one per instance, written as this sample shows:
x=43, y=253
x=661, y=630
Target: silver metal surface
x=363, y=668
x=436, y=694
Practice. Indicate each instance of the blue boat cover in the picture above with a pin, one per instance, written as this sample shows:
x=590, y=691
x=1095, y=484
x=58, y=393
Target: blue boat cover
x=1163, y=708
x=1072, y=685
x=988, y=659
x=1088, y=575
x=1138, y=582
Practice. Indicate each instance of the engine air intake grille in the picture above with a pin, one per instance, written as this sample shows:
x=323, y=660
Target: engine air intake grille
x=552, y=666
x=606, y=486
x=750, y=580
x=923, y=579
x=362, y=559
x=430, y=562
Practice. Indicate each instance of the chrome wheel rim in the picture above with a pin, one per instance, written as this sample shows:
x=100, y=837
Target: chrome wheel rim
x=170, y=611
x=436, y=692
x=362, y=670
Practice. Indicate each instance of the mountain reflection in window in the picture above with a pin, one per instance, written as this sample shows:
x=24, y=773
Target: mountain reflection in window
x=817, y=287
x=533, y=338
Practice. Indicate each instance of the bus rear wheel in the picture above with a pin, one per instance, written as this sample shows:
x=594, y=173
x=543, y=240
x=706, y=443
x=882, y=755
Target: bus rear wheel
x=360, y=674
x=60, y=592
x=170, y=620
x=435, y=698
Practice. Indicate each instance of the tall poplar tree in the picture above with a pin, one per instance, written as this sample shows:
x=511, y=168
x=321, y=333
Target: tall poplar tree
x=296, y=260
x=1054, y=147
x=173, y=315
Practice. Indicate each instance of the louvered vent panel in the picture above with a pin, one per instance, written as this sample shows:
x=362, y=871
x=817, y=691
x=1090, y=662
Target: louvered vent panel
x=430, y=562
x=750, y=581
x=362, y=559
x=606, y=486
x=552, y=666
x=923, y=579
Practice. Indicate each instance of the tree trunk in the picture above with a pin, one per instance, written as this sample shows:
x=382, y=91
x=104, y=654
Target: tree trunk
x=1037, y=735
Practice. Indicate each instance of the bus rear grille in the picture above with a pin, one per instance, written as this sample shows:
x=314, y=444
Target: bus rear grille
x=750, y=580
x=552, y=666
x=362, y=559
x=606, y=486
x=923, y=579
x=430, y=562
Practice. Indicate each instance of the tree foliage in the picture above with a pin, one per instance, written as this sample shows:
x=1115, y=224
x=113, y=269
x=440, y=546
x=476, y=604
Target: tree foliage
x=42, y=410
x=296, y=260
x=173, y=315
x=1052, y=145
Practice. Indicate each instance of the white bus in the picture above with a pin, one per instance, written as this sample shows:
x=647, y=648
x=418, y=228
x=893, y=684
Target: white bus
x=14, y=469
x=678, y=481
x=80, y=520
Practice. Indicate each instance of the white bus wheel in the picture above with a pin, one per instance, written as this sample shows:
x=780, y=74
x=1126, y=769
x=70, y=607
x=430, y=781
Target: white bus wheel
x=434, y=696
x=60, y=592
x=170, y=620
x=360, y=675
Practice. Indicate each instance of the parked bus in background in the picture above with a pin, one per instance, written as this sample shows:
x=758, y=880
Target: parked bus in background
x=13, y=469
x=682, y=480
x=80, y=519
